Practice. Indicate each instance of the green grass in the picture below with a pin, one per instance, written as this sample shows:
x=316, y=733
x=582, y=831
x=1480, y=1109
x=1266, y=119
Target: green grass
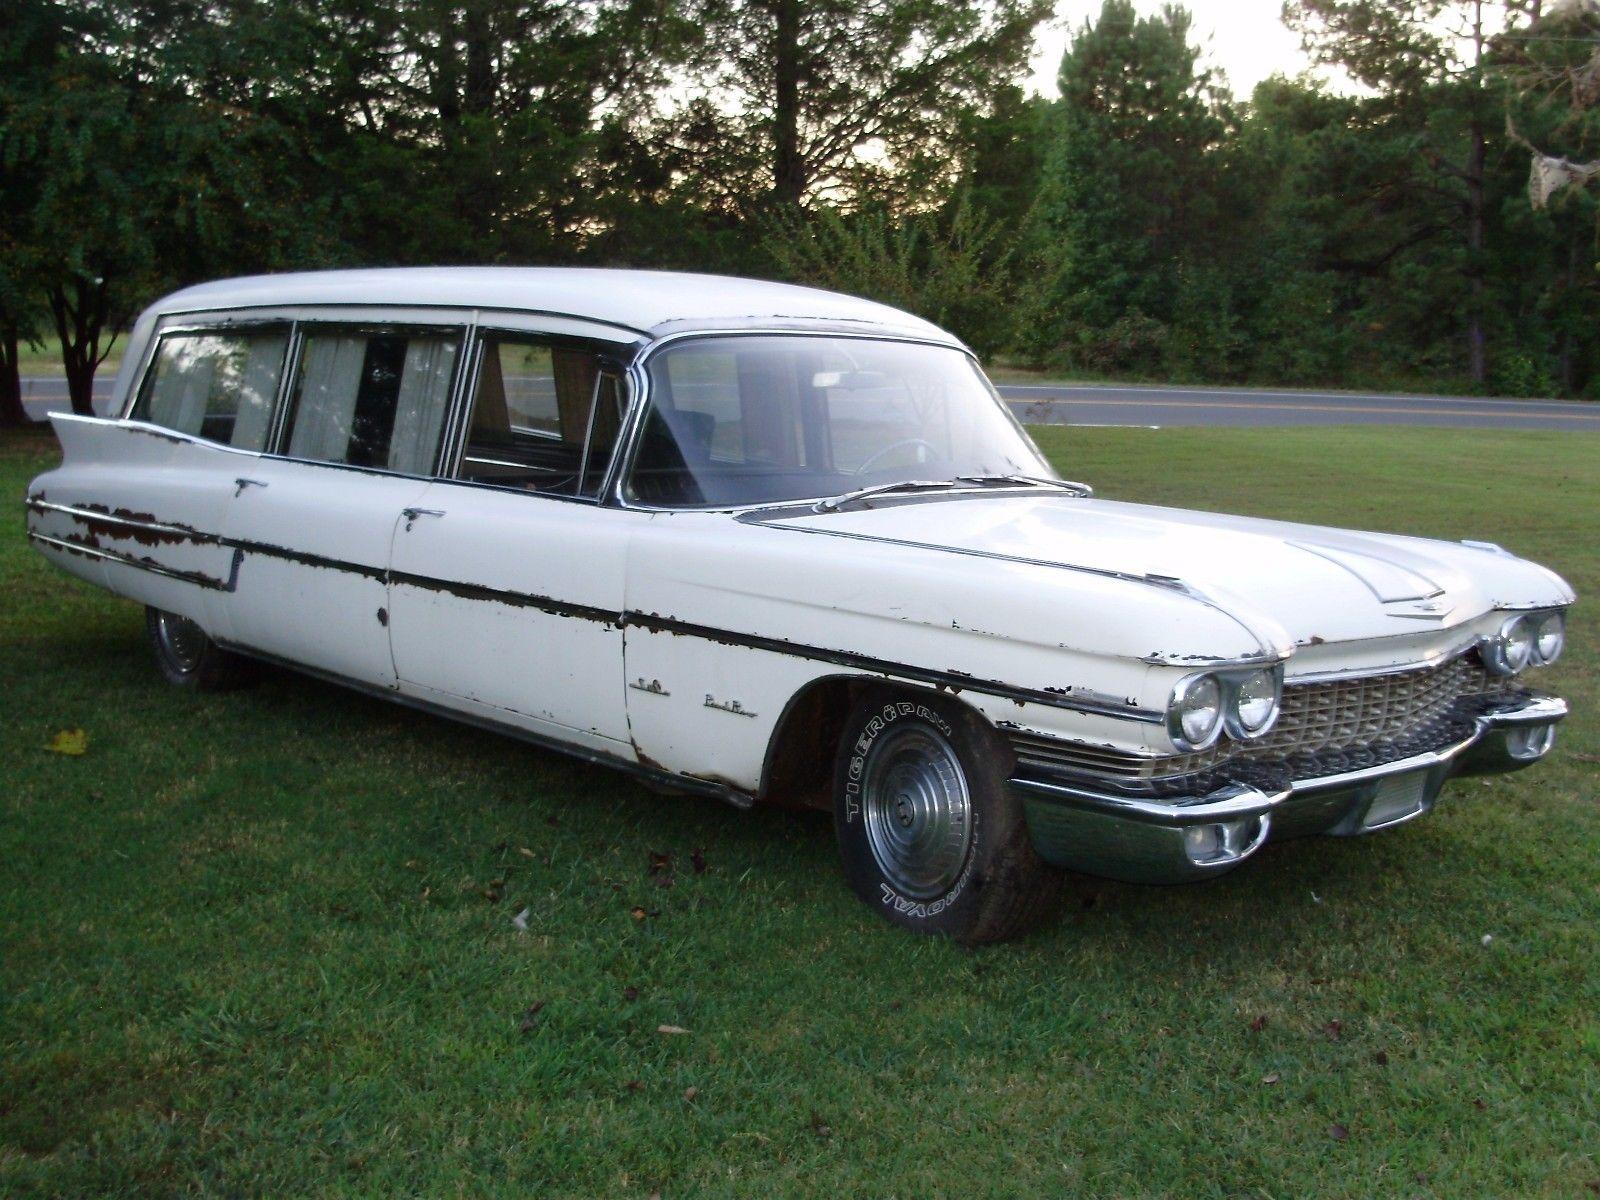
x=247, y=946
x=45, y=358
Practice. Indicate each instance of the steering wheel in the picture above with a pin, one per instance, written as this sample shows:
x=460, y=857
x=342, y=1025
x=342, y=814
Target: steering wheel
x=873, y=458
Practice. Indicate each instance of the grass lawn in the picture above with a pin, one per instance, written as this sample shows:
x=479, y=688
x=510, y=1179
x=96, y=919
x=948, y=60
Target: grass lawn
x=262, y=943
x=45, y=359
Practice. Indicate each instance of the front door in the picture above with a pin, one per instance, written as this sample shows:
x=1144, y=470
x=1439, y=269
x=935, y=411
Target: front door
x=506, y=582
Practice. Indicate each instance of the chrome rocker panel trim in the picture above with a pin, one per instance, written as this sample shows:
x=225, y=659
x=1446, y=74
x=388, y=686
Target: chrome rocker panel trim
x=1175, y=841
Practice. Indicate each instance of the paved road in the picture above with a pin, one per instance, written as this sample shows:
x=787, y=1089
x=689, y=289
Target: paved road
x=1049, y=404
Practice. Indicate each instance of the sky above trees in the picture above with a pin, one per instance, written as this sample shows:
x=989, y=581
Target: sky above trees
x=1246, y=39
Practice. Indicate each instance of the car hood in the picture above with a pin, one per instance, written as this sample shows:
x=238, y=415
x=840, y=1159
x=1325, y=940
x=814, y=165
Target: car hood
x=1290, y=584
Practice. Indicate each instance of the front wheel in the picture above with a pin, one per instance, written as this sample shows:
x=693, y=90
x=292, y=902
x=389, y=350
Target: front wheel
x=186, y=657
x=929, y=833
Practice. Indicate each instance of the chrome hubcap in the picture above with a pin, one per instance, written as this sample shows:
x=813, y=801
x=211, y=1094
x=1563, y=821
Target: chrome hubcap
x=182, y=640
x=918, y=814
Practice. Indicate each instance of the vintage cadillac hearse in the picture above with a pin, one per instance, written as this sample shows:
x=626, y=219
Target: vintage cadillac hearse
x=772, y=544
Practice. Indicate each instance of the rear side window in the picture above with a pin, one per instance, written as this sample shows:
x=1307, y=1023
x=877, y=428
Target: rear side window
x=218, y=386
x=373, y=398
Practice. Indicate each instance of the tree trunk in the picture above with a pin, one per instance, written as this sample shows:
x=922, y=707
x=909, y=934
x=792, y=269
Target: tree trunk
x=1477, y=155
x=79, y=311
x=1568, y=302
x=788, y=166
x=478, y=99
x=12, y=414
x=1477, y=364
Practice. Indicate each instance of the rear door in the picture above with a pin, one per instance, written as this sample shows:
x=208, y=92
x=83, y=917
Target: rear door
x=360, y=436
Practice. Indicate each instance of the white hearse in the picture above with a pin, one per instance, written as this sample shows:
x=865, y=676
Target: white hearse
x=773, y=544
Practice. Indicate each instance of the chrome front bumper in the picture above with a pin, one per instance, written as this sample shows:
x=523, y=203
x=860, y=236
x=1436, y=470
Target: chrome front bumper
x=1099, y=832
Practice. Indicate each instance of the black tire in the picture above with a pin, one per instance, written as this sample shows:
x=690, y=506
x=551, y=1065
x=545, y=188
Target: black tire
x=930, y=835
x=187, y=658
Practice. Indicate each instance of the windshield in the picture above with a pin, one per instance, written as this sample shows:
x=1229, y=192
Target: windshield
x=756, y=420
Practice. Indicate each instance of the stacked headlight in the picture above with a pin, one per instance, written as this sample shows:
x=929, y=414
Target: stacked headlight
x=1243, y=702
x=1194, y=714
x=1511, y=649
x=1253, y=702
x=1549, y=637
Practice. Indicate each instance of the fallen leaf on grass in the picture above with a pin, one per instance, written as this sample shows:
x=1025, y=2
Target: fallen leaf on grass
x=637, y=913
x=660, y=863
x=633, y=1085
x=671, y=1029
x=525, y=852
x=1270, y=1079
x=68, y=741
x=1258, y=1024
x=689, y=1093
x=1338, y=1133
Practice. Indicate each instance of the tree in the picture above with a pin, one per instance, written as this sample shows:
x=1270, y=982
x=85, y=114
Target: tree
x=951, y=267
x=851, y=101
x=1130, y=183
x=34, y=38
x=1428, y=61
x=486, y=116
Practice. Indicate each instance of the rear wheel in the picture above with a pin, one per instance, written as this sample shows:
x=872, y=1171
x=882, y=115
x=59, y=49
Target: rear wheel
x=929, y=833
x=186, y=657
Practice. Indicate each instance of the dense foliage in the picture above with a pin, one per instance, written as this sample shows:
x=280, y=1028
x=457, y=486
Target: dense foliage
x=1148, y=223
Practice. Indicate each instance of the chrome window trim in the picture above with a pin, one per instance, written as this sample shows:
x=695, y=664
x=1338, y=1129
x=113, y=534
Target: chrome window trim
x=307, y=310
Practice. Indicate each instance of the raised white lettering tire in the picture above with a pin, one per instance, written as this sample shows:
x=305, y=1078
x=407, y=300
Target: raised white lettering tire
x=929, y=834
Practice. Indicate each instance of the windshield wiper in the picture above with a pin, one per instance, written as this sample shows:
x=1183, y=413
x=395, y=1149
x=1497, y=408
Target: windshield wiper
x=835, y=503
x=840, y=502
x=1069, y=485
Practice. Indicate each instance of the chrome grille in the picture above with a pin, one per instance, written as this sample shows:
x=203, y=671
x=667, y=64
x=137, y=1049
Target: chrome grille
x=1316, y=717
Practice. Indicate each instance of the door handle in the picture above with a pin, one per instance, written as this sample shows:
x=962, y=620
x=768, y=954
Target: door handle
x=413, y=514
x=243, y=483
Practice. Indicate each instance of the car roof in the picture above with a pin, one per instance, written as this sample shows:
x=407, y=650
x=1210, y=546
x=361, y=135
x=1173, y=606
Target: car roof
x=653, y=303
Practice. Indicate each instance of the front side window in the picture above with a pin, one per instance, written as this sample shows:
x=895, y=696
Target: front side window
x=757, y=420
x=218, y=386
x=373, y=398
x=545, y=417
